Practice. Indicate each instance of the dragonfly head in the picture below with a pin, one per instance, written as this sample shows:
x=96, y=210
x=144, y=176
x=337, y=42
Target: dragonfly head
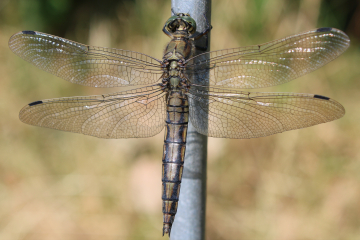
x=181, y=21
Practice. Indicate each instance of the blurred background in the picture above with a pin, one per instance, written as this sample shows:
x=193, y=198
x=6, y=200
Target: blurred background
x=302, y=184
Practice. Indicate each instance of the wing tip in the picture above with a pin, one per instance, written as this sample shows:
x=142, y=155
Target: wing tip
x=13, y=41
x=339, y=110
x=343, y=35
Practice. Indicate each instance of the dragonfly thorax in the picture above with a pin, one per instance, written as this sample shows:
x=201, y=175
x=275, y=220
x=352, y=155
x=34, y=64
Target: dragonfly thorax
x=174, y=71
x=174, y=82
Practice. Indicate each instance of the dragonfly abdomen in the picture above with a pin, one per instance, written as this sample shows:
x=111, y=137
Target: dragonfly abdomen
x=174, y=152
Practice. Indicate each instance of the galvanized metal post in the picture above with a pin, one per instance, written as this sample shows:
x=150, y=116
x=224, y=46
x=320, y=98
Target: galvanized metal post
x=189, y=221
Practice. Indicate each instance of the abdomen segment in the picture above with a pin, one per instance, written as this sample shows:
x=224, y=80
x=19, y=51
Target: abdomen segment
x=173, y=157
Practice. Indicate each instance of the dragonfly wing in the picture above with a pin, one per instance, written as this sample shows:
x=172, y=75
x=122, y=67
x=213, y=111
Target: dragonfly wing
x=85, y=65
x=236, y=114
x=268, y=64
x=128, y=114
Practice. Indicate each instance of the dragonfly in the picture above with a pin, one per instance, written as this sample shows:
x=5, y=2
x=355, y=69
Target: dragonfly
x=205, y=89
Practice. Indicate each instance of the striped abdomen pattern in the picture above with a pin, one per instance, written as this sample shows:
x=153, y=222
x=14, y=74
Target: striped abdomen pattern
x=174, y=152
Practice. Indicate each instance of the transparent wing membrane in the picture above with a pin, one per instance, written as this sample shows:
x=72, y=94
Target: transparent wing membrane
x=269, y=64
x=85, y=65
x=128, y=114
x=141, y=112
x=235, y=114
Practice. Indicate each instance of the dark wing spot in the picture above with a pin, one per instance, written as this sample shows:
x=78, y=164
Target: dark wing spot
x=35, y=103
x=29, y=32
x=325, y=29
x=321, y=97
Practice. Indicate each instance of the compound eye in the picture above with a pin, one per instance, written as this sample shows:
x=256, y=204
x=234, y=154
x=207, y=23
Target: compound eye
x=172, y=18
x=191, y=22
x=170, y=24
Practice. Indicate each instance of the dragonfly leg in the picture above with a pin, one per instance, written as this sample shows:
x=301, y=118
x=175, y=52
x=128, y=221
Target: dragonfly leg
x=197, y=36
x=203, y=48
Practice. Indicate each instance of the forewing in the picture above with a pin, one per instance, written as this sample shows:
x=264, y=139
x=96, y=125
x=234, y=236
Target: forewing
x=236, y=114
x=271, y=63
x=85, y=65
x=128, y=114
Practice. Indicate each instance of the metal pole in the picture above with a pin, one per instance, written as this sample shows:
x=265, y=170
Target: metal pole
x=189, y=221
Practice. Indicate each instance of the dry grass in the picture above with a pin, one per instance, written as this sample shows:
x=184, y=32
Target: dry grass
x=302, y=184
